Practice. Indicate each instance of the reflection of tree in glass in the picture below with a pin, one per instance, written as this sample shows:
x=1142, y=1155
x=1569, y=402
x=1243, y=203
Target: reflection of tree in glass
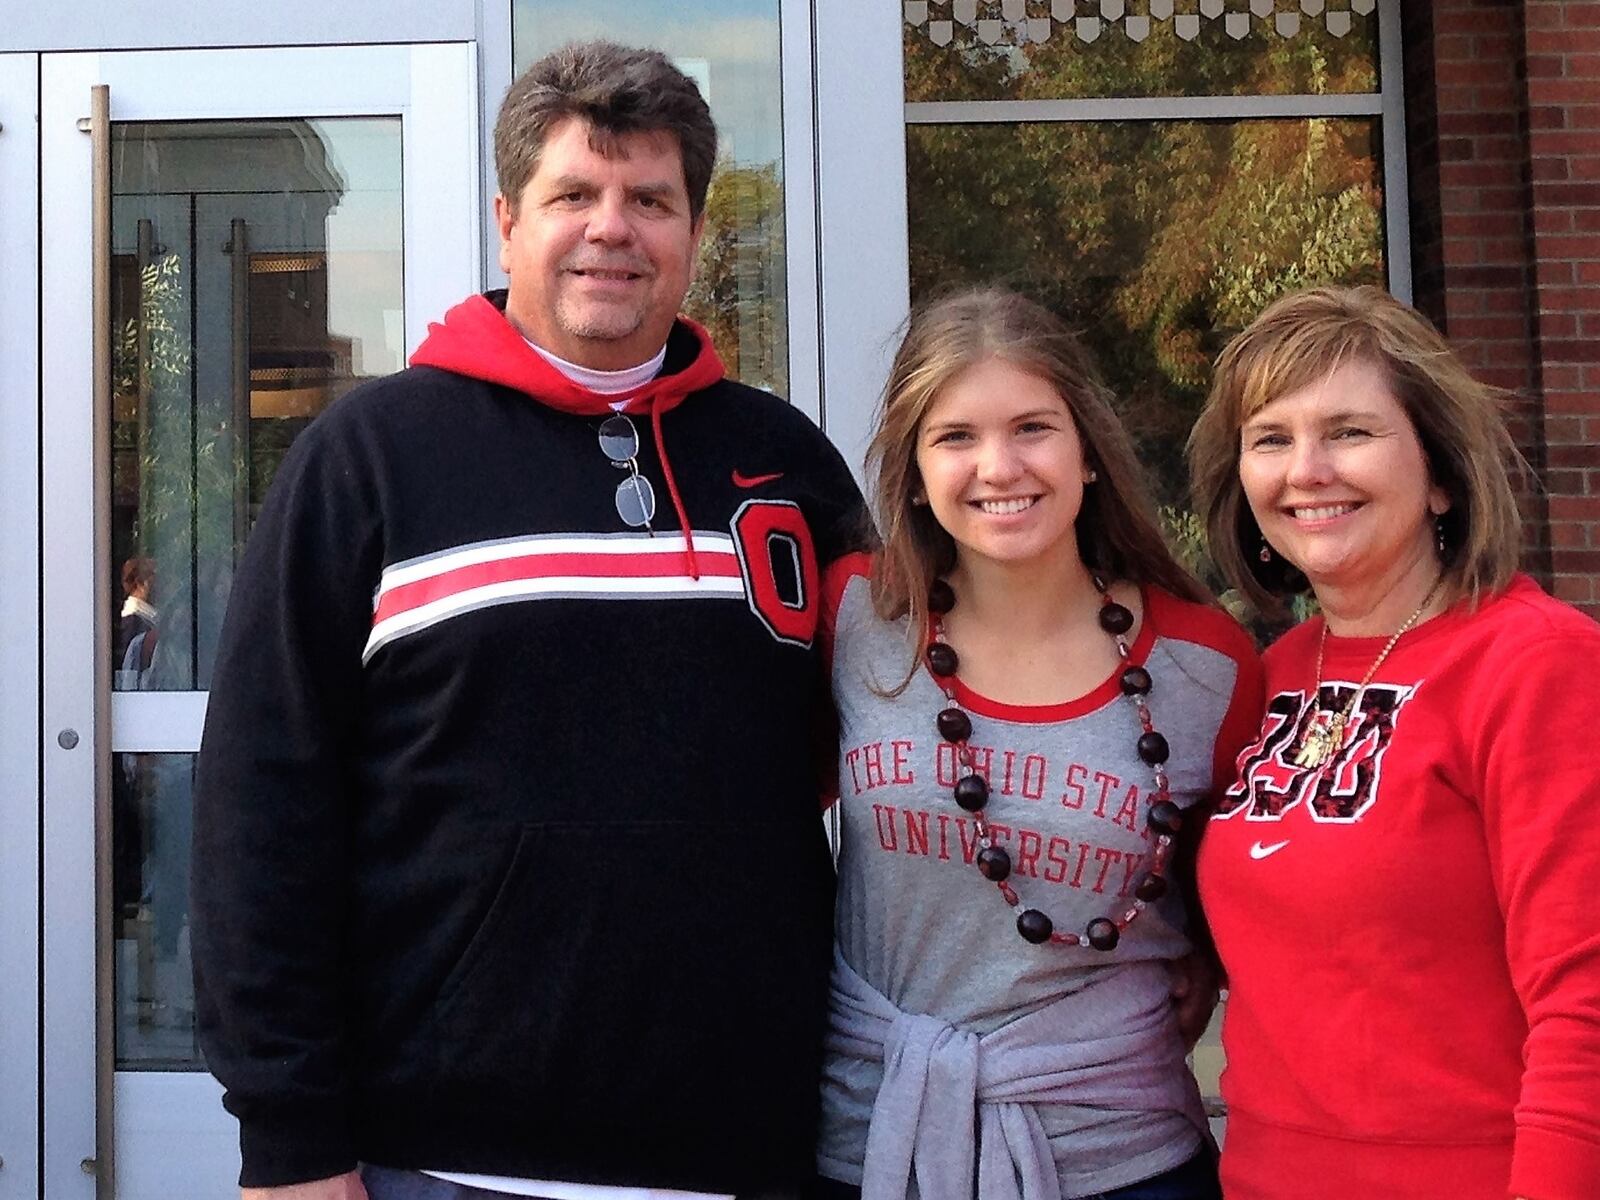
x=151, y=363
x=173, y=465
x=1063, y=66
x=1156, y=239
x=161, y=294
x=739, y=282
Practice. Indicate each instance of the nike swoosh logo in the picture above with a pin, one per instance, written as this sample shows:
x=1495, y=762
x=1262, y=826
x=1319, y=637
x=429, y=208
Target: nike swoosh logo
x=1260, y=850
x=750, y=481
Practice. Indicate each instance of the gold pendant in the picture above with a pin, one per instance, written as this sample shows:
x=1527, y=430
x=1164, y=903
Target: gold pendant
x=1321, y=743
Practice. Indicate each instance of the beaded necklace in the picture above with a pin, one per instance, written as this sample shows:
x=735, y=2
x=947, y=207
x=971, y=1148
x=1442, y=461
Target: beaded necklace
x=972, y=790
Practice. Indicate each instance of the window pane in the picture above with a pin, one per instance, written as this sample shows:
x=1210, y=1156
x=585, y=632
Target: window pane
x=152, y=803
x=1055, y=49
x=731, y=50
x=257, y=277
x=1157, y=239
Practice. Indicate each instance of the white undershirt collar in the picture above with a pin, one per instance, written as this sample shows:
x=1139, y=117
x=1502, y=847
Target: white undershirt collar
x=606, y=383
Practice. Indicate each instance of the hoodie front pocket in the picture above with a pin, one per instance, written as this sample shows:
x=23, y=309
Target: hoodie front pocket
x=631, y=953
x=484, y=936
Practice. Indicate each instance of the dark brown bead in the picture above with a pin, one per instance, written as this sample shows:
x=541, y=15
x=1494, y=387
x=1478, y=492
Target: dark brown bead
x=1151, y=887
x=942, y=659
x=1102, y=934
x=954, y=725
x=1165, y=817
x=1115, y=618
x=1034, y=926
x=1136, y=681
x=994, y=864
x=972, y=792
x=1153, y=748
x=941, y=597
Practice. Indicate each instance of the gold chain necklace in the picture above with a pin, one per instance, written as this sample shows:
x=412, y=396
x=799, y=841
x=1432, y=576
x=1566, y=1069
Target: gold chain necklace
x=1321, y=742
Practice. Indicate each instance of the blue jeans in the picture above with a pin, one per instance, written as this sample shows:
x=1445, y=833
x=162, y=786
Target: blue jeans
x=389, y=1183
x=1193, y=1180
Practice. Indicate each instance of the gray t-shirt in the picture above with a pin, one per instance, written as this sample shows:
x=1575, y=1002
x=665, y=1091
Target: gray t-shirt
x=1068, y=799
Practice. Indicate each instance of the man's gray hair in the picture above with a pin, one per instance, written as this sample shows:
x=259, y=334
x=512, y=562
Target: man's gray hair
x=618, y=90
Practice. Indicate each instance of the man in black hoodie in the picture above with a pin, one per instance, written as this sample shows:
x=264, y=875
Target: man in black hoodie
x=508, y=875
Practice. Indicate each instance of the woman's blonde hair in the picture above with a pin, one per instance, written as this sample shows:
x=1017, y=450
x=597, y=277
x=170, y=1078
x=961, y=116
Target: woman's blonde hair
x=1299, y=341
x=1118, y=536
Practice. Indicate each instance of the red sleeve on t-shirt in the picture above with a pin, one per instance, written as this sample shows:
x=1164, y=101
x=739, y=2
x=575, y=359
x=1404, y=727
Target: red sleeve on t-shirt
x=856, y=565
x=1216, y=629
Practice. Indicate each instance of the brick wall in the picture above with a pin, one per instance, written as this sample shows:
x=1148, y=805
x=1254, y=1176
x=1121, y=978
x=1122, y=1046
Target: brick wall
x=1503, y=116
x=1563, y=88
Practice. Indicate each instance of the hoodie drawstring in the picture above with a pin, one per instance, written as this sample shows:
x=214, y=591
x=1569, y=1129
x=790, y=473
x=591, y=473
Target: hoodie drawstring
x=476, y=340
x=672, y=490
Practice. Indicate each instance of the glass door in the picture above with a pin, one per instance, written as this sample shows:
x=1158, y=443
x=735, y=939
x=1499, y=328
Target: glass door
x=263, y=240
x=19, y=617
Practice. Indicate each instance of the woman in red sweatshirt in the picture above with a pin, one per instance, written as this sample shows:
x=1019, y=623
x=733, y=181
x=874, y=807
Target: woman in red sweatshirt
x=1401, y=879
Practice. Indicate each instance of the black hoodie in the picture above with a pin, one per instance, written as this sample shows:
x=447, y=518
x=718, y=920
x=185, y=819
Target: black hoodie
x=507, y=848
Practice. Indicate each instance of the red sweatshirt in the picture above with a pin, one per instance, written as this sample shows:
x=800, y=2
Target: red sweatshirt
x=1411, y=932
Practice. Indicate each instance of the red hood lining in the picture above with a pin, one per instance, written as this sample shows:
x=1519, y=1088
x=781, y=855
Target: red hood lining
x=476, y=340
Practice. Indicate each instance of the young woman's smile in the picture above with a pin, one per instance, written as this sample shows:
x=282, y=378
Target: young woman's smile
x=1002, y=465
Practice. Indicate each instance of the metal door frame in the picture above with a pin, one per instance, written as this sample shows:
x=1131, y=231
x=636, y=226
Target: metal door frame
x=21, y=796
x=434, y=90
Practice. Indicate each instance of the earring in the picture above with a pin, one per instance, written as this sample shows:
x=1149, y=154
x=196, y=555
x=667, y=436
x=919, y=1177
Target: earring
x=1265, y=554
x=1438, y=533
x=1091, y=476
x=919, y=501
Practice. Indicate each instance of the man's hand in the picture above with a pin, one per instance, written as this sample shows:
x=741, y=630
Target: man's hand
x=1195, y=979
x=341, y=1187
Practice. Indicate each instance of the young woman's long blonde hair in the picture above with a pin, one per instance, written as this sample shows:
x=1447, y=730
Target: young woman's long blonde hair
x=1118, y=535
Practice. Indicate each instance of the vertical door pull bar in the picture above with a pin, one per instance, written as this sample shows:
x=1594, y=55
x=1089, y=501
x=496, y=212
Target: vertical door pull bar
x=239, y=248
x=104, y=947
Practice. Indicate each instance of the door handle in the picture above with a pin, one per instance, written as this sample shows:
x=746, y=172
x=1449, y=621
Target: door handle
x=102, y=1164
x=239, y=249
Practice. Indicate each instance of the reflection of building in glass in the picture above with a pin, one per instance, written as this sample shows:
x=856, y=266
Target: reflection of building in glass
x=257, y=267
x=297, y=366
x=259, y=264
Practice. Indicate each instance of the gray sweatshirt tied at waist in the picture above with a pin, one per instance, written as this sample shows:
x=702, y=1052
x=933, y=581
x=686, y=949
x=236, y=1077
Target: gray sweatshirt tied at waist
x=947, y=1091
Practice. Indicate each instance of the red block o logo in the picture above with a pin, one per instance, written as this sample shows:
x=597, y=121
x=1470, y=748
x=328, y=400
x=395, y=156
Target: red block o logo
x=779, y=565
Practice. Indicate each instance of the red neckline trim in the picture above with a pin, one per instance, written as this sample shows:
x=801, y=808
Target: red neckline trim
x=1341, y=647
x=1043, y=714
